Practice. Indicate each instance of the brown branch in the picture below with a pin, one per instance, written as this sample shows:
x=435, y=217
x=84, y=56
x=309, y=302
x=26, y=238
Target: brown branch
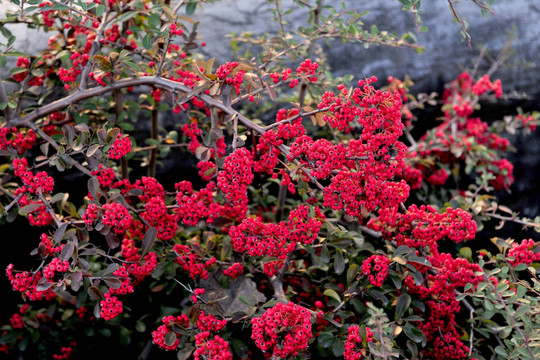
x=152, y=163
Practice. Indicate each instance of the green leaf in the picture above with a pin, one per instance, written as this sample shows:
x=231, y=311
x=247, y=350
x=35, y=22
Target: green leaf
x=402, y=305
x=499, y=350
x=332, y=294
x=148, y=240
x=351, y=273
x=339, y=262
x=338, y=348
x=100, y=10
x=401, y=250
x=465, y=252
x=191, y=7
x=30, y=208
x=126, y=16
x=414, y=334
x=240, y=348
x=326, y=339
x=522, y=310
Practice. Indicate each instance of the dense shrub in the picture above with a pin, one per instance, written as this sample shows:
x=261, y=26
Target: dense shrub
x=329, y=231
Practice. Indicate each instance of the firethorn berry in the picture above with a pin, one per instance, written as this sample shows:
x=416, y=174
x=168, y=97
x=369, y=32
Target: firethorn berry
x=120, y=147
x=46, y=246
x=16, y=321
x=65, y=353
x=55, y=266
x=284, y=330
x=193, y=206
x=302, y=227
x=208, y=322
x=234, y=271
x=117, y=216
x=32, y=183
x=105, y=176
x=375, y=268
x=111, y=307
x=141, y=271
x=158, y=336
x=196, y=293
x=38, y=217
x=272, y=268
x=156, y=216
x=523, y=253
x=233, y=181
x=308, y=68
x=216, y=348
x=354, y=348
x=256, y=238
x=91, y=214
x=192, y=262
x=125, y=287
x=438, y=177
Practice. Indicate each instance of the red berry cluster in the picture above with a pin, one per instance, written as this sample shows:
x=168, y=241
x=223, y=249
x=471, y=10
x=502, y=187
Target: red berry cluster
x=111, y=307
x=208, y=322
x=48, y=18
x=158, y=336
x=484, y=84
x=257, y=238
x=194, y=206
x=140, y=271
x=452, y=148
x=304, y=228
x=375, y=268
x=285, y=73
x=65, y=353
x=156, y=216
x=196, y=293
x=208, y=348
x=120, y=147
x=175, y=30
x=70, y=75
x=192, y=262
x=272, y=268
x=26, y=283
x=422, y=227
x=236, y=76
x=321, y=157
x=46, y=247
x=117, y=216
x=55, y=266
x=439, y=325
x=32, y=183
x=283, y=330
x=150, y=188
x=354, y=345
x=91, y=214
x=233, y=181
x=105, y=176
x=523, y=253
x=20, y=139
x=16, y=321
x=125, y=287
x=234, y=271
x=192, y=131
x=38, y=217
x=22, y=62
x=308, y=69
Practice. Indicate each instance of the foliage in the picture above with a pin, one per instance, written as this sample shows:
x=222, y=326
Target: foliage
x=317, y=234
